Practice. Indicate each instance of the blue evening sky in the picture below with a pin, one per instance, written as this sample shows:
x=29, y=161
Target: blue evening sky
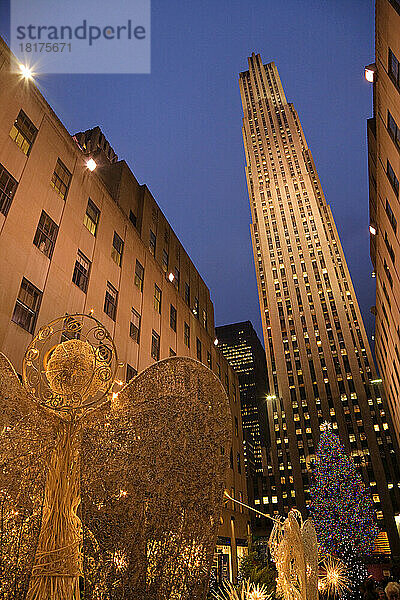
x=179, y=128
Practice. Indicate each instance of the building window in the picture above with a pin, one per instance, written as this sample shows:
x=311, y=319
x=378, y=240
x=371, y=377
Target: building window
x=46, y=234
x=205, y=319
x=134, y=326
x=152, y=242
x=196, y=309
x=132, y=218
x=239, y=465
x=393, y=68
x=198, y=349
x=139, y=275
x=219, y=370
x=165, y=260
x=130, y=373
x=155, y=345
x=111, y=301
x=209, y=360
x=391, y=216
x=172, y=317
x=157, y=298
x=8, y=185
x=23, y=132
x=91, y=218
x=61, y=179
x=186, y=334
x=81, y=272
x=187, y=293
x=177, y=278
x=236, y=427
x=27, y=306
x=392, y=178
x=393, y=129
x=172, y=352
x=117, y=249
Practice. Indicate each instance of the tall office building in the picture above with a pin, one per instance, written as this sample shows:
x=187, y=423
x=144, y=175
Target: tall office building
x=241, y=347
x=318, y=356
x=384, y=174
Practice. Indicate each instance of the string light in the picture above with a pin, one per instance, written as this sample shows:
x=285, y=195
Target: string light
x=335, y=578
x=342, y=509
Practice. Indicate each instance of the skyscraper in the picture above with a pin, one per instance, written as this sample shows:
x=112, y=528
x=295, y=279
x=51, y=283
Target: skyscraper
x=241, y=347
x=384, y=174
x=318, y=357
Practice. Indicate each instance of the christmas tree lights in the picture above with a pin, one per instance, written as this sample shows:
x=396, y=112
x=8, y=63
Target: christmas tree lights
x=341, y=508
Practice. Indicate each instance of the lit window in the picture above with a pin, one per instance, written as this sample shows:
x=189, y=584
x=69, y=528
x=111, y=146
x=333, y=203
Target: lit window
x=23, y=132
x=91, y=218
x=61, y=179
x=46, y=234
x=134, y=326
x=177, y=278
x=196, y=308
x=209, y=360
x=155, y=345
x=139, y=275
x=27, y=306
x=205, y=320
x=8, y=185
x=81, y=271
x=376, y=498
x=117, y=249
x=111, y=301
x=157, y=298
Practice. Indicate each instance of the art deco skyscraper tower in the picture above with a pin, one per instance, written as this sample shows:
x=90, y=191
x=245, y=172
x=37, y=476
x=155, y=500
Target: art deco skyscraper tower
x=319, y=361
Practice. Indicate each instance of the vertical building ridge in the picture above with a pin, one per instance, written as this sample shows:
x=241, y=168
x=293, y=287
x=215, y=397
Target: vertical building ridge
x=318, y=357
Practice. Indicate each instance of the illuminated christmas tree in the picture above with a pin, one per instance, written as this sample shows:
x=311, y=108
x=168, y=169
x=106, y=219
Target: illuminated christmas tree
x=341, y=508
x=340, y=505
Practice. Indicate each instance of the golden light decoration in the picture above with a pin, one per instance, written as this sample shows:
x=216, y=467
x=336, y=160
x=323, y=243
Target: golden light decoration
x=334, y=579
x=121, y=492
x=71, y=364
x=246, y=591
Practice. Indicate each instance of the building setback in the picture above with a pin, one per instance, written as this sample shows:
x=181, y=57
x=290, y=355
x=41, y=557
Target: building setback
x=318, y=357
x=72, y=240
x=384, y=174
x=241, y=347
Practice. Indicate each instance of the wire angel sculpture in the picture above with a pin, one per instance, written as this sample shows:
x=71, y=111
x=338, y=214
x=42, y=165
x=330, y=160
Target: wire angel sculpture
x=108, y=495
x=294, y=549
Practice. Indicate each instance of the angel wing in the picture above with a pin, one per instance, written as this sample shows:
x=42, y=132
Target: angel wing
x=153, y=471
x=27, y=436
